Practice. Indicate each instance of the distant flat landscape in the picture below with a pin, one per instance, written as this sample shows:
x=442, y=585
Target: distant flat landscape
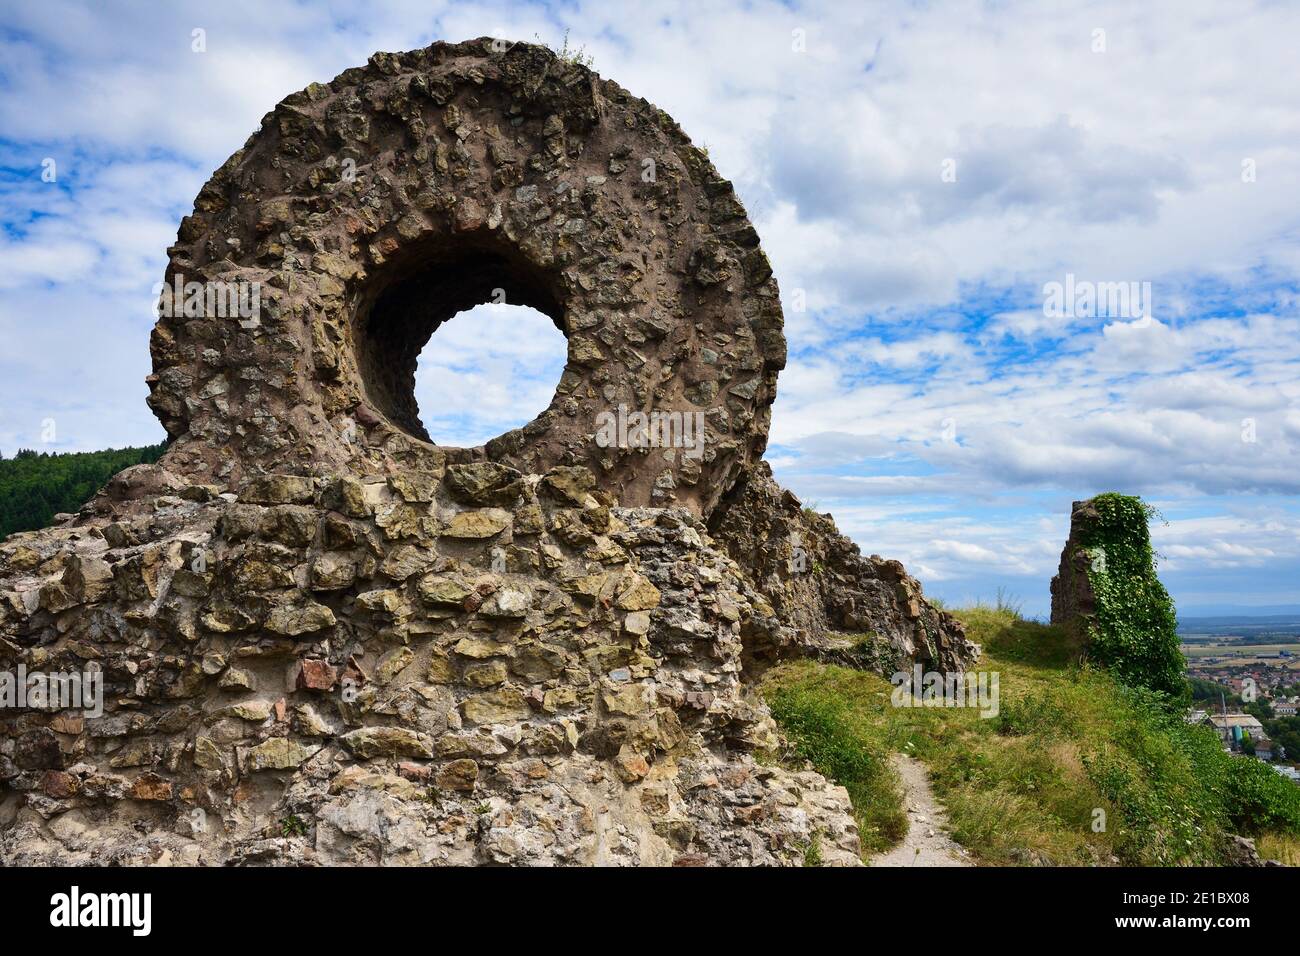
x=1280, y=628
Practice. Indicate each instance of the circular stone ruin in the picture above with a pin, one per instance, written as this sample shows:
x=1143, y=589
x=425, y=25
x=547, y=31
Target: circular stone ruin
x=369, y=210
x=323, y=638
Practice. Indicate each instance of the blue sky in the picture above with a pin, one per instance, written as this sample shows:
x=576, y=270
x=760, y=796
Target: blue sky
x=918, y=174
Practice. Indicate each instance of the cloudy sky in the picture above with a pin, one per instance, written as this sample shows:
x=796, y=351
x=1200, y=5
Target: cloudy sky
x=920, y=174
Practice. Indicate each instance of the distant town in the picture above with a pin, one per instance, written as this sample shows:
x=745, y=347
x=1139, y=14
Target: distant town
x=1245, y=677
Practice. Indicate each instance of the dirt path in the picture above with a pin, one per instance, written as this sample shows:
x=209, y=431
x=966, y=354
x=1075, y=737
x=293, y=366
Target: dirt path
x=927, y=842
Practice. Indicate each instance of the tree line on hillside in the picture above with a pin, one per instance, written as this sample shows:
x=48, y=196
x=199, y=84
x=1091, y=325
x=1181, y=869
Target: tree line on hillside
x=34, y=487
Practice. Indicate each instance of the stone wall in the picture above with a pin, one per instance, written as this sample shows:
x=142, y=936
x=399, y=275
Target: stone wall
x=839, y=604
x=1073, y=603
x=458, y=667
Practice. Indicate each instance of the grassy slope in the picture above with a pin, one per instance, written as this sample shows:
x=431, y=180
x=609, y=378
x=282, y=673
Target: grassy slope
x=1025, y=786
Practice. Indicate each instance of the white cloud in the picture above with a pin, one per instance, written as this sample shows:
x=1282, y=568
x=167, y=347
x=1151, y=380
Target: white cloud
x=487, y=370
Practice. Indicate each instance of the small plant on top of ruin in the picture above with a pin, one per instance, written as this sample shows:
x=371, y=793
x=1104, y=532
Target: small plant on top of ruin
x=578, y=56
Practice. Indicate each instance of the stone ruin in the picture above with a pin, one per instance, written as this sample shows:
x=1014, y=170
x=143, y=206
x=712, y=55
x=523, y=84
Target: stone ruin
x=323, y=638
x=1074, y=605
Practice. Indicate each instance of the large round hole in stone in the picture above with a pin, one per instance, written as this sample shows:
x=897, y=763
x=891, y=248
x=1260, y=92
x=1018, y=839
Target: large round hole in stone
x=460, y=383
x=487, y=370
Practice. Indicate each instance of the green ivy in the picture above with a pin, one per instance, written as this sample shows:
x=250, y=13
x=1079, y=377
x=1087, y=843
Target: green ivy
x=1135, y=634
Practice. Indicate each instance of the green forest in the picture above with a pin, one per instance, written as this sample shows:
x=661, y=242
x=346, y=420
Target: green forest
x=35, y=487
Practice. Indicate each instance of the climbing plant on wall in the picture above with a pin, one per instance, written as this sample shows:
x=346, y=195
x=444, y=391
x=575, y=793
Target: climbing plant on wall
x=1135, y=632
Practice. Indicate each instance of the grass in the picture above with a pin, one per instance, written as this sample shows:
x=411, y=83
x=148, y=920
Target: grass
x=830, y=733
x=1074, y=769
x=292, y=826
x=1282, y=847
x=812, y=853
x=569, y=54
